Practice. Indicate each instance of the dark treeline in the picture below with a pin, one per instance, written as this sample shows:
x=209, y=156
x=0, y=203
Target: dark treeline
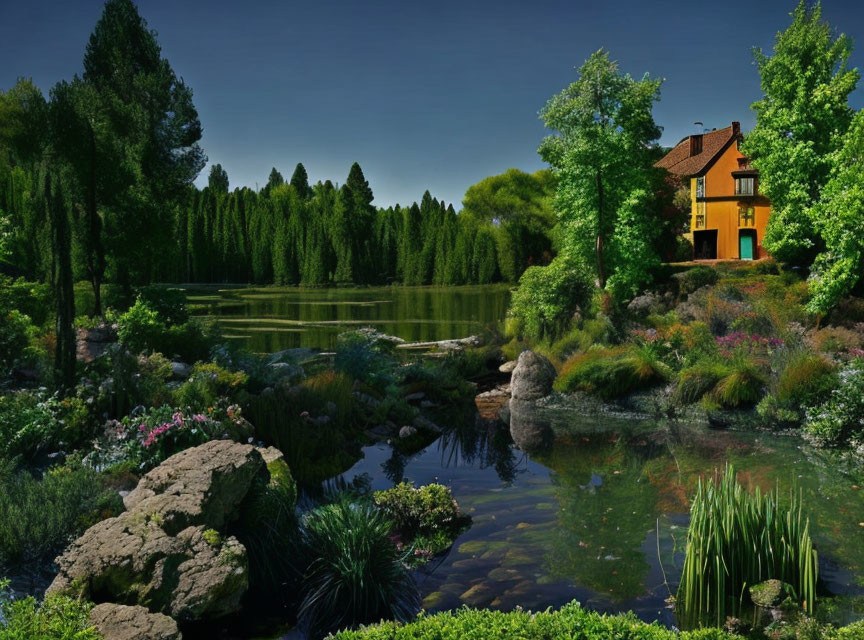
x=292, y=233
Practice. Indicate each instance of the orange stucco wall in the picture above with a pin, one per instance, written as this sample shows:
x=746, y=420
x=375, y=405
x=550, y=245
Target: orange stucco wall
x=722, y=215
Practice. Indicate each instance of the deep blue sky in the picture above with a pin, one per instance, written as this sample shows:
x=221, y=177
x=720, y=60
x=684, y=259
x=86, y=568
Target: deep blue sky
x=433, y=95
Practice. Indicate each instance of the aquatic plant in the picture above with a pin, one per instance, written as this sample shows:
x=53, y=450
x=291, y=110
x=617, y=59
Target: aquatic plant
x=737, y=539
x=355, y=574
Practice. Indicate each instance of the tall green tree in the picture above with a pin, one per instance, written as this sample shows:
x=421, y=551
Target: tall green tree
x=300, y=181
x=361, y=223
x=800, y=123
x=147, y=110
x=839, y=220
x=218, y=179
x=601, y=154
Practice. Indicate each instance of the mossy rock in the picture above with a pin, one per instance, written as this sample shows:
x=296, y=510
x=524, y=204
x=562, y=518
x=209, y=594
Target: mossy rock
x=770, y=593
x=282, y=481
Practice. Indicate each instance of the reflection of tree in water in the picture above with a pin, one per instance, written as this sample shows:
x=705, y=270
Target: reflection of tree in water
x=394, y=466
x=483, y=442
x=606, y=508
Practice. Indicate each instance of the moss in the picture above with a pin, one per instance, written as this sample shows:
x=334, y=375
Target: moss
x=212, y=537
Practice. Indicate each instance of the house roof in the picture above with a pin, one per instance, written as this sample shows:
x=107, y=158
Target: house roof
x=679, y=160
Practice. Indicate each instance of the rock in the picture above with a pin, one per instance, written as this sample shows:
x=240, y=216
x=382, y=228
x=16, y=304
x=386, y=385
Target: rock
x=489, y=403
x=166, y=552
x=201, y=485
x=642, y=305
x=92, y=343
x=425, y=424
x=407, y=431
x=532, y=377
x=180, y=370
x=478, y=596
x=415, y=397
x=768, y=593
x=507, y=367
x=121, y=622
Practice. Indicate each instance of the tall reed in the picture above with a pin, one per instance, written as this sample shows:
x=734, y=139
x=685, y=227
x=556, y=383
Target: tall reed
x=737, y=539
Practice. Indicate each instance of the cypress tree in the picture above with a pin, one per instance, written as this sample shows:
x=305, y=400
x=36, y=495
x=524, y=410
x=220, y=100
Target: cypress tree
x=300, y=181
x=64, y=353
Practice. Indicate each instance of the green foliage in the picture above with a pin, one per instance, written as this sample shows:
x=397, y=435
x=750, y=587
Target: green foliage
x=738, y=539
x=367, y=357
x=571, y=621
x=548, y=296
x=169, y=304
x=601, y=154
x=427, y=518
x=840, y=418
x=142, y=330
x=56, y=618
x=730, y=382
x=696, y=278
x=34, y=421
x=796, y=137
x=612, y=372
x=31, y=532
x=806, y=380
x=837, y=216
x=16, y=332
x=355, y=574
x=208, y=383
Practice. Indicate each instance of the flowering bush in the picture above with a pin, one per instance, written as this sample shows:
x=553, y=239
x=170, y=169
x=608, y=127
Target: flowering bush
x=747, y=343
x=153, y=435
x=841, y=417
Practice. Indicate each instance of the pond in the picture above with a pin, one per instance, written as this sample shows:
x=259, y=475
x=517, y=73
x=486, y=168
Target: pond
x=274, y=318
x=602, y=517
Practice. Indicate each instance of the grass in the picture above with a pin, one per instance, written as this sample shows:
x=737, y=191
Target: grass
x=612, y=372
x=732, y=384
x=355, y=574
x=737, y=539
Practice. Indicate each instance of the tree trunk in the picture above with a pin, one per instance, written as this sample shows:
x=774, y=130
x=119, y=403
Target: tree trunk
x=601, y=274
x=96, y=257
x=64, y=355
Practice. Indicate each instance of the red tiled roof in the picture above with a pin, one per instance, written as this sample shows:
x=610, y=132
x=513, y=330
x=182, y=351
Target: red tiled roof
x=679, y=160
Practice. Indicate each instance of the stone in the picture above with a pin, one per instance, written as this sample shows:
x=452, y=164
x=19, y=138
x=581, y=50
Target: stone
x=180, y=370
x=768, y=593
x=489, y=403
x=532, y=377
x=165, y=553
x=642, y=305
x=201, y=485
x=121, y=622
x=407, y=431
x=507, y=367
x=92, y=343
x=478, y=596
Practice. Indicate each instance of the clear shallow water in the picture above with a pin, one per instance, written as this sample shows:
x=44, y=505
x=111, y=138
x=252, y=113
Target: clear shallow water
x=582, y=522
x=274, y=318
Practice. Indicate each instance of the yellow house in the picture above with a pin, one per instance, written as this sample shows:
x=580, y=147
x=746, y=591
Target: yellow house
x=728, y=215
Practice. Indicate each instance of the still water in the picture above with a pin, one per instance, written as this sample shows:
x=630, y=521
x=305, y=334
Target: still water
x=274, y=318
x=602, y=517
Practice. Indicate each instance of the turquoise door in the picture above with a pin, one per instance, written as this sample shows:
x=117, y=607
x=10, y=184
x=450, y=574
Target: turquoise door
x=746, y=246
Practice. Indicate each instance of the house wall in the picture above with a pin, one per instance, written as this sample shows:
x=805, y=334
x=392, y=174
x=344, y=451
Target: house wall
x=721, y=206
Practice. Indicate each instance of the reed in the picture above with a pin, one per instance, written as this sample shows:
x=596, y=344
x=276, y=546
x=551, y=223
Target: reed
x=737, y=539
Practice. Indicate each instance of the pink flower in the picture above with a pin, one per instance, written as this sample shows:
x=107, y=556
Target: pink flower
x=200, y=417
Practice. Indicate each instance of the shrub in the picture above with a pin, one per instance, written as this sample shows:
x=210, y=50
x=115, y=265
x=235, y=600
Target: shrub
x=805, y=380
x=548, y=296
x=742, y=386
x=367, y=357
x=169, y=304
x=426, y=518
x=841, y=417
x=33, y=299
x=613, y=372
x=207, y=383
x=835, y=340
x=569, y=622
x=38, y=517
x=34, y=421
x=695, y=278
x=16, y=333
x=737, y=539
x=355, y=574
x=142, y=330
x=56, y=618
x=697, y=380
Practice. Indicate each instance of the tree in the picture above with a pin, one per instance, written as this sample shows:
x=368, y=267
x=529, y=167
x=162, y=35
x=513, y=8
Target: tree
x=800, y=123
x=838, y=216
x=361, y=224
x=274, y=180
x=601, y=156
x=218, y=179
x=300, y=181
x=146, y=111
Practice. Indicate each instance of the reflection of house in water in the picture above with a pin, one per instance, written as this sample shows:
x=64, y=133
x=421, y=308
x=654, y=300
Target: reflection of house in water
x=728, y=215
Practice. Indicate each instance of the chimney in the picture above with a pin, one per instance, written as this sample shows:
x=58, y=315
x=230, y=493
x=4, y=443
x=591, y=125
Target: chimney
x=736, y=128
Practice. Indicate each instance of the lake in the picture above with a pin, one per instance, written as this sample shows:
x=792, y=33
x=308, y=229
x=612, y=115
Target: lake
x=274, y=318
x=602, y=517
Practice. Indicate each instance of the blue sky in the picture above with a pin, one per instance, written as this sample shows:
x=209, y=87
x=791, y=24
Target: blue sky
x=433, y=95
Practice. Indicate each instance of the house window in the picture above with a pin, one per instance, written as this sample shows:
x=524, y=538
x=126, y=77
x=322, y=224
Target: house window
x=700, y=187
x=745, y=186
x=701, y=217
x=746, y=217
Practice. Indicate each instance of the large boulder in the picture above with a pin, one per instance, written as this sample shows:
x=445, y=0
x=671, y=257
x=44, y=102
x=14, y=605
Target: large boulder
x=532, y=377
x=166, y=553
x=121, y=622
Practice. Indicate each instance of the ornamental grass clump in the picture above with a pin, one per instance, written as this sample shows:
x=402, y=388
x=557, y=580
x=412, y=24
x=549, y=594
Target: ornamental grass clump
x=737, y=539
x=613, y=372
